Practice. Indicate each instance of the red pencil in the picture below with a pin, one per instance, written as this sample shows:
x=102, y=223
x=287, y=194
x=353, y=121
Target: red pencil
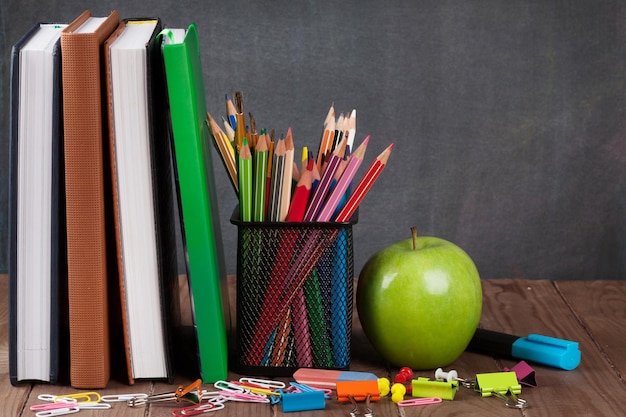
x=364, y=185
x=301, y=195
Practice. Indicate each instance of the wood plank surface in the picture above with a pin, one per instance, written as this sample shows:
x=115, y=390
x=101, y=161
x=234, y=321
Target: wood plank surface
x=590, y=312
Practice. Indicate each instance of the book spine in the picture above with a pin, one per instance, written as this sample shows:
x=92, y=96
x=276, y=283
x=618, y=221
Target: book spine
x=85, y=185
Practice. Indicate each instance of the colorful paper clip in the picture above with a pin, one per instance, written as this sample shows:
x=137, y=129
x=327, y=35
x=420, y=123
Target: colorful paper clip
x=358, y=390
x=425, y=388
x=503, y=385
x=525, y=374
x=197, y=409
x=419, y=401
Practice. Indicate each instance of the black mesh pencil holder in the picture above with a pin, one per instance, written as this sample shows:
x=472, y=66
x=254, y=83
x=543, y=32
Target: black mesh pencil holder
x=294, y=296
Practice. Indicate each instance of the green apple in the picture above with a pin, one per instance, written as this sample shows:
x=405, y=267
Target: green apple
x=419, y=302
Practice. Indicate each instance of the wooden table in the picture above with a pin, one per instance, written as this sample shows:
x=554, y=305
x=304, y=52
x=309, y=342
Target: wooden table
x=592, y=313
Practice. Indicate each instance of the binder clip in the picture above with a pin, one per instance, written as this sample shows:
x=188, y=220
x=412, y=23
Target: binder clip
x=302, y=401
x=369, y=412
x=191, y=393
x=525, y=374
x=426, y=388
x=501, y=385
x=357, y=391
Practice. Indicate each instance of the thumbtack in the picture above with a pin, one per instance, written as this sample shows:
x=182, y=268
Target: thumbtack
x=446, y=376
x=397, y=392
x=404, y=375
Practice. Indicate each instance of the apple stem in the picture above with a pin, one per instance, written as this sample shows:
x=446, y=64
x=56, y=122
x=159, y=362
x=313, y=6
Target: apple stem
x=414, y=234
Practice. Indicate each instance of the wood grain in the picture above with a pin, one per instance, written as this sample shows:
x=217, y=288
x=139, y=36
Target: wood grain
x=590, y=312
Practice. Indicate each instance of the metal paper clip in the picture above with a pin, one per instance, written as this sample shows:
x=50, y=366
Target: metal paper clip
x=525, y=374
x=265, y=383
x=369, y=412
x=58, y=411
x=419, y=401
x=114, y=398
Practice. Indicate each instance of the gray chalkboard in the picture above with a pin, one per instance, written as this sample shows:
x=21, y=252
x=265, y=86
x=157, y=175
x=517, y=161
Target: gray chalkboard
x=508, y=117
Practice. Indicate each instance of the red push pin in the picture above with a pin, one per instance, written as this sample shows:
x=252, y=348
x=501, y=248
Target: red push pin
x=404, y=376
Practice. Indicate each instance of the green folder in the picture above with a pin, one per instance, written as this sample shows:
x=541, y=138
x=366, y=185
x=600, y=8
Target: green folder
x=197, y=200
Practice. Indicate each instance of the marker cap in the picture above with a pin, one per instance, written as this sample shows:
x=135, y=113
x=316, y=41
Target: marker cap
x=547, y=350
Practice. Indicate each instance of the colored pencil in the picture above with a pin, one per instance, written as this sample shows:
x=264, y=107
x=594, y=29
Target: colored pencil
x=240, y=128
x=344, y=181
x=231, y=112
x=245, y=182
x=327, y=136
x=351, y=129
x=301, y=195
x=230, y=132
x=276, y=187
x=285, y=196
x=261, y=154
x=322, y=189
x=225, y=150
x=370, y=176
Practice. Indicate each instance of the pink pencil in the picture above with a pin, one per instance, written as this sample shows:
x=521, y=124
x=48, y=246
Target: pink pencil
x=364, y=185
x=344, y=181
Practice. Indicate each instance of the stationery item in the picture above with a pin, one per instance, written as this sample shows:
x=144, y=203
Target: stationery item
x=88, y=208
x=327, y=136
x=525, y=374
x=302, y=401
x=370, y=176
x=231, y=112
x=317, y=200
x=301, y=195
x=558, y=353
x=424, y=388
x=225, y=150
x=342, y=185
x=261, y=156
x=285, y=195
x=351, y=130
x=197, y=199
x=37, y=258
x=419, y=401
x=240, y=124
x=502, y=382
x=359, y=390
x=501, y=385
x=328, y=378
x=275, y=263
x=245, y=181
x=142, y=198
x=276, y=190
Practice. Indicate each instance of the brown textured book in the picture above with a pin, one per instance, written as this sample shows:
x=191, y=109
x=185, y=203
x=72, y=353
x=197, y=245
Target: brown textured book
x=85, y=185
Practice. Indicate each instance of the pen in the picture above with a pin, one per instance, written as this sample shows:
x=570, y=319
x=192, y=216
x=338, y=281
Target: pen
x=558, y=353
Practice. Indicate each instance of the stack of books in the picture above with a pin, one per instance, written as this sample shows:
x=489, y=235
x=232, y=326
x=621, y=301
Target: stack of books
x=109, y=141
